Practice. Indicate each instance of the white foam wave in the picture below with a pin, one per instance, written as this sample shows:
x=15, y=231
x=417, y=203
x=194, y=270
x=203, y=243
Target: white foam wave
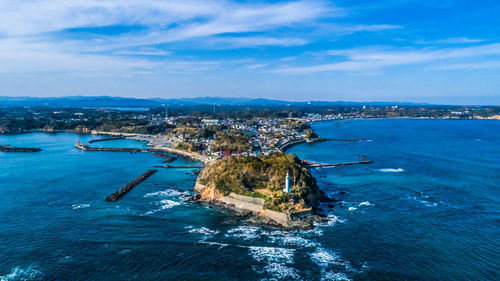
x=291, y=240
x=424, y=202
x=244, y=232
x=80, y=206
x=165, y=193
x=202, y=230
x=334, y=276
x=164, y=204
x=277, y=262
x=390, y=170
x=123, y=252
x=221, y=245
x=18, y=273
x=366, y=203
x=272, y=254
x=326, y=258
x=352, y=208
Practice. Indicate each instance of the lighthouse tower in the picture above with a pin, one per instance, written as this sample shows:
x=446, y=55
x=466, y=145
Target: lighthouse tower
x=287, y=183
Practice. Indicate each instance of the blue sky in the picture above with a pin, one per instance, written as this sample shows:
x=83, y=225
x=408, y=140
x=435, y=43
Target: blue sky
x=445, y=51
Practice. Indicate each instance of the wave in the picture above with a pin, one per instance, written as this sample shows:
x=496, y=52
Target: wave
x=424, y=202
x=335, y=276
x=80, y=206
x=17, y=273
x=287, y=239
x=123, y=252
x=202, y=230
x=165, y=204
x=366, y=203
x=166, y=193
x=390, y=170
x=352, y=208
x=277, y=261
x=325, y=258
x=244, y=232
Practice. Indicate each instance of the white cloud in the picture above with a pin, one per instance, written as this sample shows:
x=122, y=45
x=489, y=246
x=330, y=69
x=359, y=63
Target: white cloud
x=453, y=40
x=372, y=59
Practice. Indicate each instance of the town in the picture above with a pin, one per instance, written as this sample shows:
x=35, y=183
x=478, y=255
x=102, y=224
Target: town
x=216, y=131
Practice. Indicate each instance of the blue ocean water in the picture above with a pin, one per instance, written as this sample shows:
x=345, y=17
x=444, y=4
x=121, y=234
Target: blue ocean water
x=428, y=208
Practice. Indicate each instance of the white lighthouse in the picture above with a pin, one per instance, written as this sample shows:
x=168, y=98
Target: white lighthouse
x=287, y=183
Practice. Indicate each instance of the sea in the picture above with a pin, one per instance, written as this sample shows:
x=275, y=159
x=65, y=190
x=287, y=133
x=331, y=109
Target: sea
x=427, y=208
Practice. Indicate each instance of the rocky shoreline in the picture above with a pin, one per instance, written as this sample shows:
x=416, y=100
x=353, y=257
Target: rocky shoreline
x=238, y=215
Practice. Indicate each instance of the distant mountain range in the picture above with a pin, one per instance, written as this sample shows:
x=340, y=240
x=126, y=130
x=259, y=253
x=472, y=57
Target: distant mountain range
x=106, y=101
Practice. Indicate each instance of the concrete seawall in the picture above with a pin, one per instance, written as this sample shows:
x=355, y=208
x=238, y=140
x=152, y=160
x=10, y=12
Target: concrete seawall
x=255, y=205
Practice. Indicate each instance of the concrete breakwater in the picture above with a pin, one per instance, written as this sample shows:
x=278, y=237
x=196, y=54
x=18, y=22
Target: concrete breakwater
x=168, y=158
x=107, y=139
x=126, y=188
x=179, y=167
x=9, y=148
x=312, y=164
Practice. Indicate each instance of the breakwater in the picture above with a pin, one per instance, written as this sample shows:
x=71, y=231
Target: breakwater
x=312, y=164
x=107, y=139
x=126, y=188
x=168, y=158
x=9, y=148
x=179, y=167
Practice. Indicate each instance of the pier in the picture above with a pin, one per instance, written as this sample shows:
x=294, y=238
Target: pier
x=312, y=164
x=10, y=148
x=85, y=147
x=126, y=188
x=287, y=145
x=168, y=158
x=107, y=139
x=179, y=167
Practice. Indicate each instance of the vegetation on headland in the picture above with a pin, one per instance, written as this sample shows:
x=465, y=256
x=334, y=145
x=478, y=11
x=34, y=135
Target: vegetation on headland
x=233, y=140
x=264, y=177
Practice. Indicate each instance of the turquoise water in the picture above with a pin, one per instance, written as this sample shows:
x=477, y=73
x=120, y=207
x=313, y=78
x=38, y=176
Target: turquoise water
x=428, y=208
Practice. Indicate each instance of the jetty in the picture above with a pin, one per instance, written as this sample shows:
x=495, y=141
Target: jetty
x=312, y=164
x=287, y=145
x=107, y=139
x=168, y=158
x=85, y=147
x=126, y=188
x=10, y=148
x=179, y=167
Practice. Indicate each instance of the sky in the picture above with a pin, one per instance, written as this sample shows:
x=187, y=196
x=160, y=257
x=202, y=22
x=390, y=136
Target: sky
x=436, y=51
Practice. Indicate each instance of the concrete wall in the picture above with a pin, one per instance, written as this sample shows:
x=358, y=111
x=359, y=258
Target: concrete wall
x=245, y=204
x=248, y=199
x=279, y=217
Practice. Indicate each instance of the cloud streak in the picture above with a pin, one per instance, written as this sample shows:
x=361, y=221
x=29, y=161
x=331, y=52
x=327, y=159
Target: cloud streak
x=357, y=60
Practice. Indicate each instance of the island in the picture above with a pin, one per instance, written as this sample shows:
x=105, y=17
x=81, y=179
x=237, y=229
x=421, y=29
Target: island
x=274, y=189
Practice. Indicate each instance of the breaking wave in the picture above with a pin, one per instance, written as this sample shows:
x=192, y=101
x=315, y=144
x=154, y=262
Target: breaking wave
x=79, y=206
x=166, y=193
x=244, y=232
x=277, y=262
x=390, y=170
x=17, y=273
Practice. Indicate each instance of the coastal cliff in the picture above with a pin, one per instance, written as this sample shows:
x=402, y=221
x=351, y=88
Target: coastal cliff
x=256, y=186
